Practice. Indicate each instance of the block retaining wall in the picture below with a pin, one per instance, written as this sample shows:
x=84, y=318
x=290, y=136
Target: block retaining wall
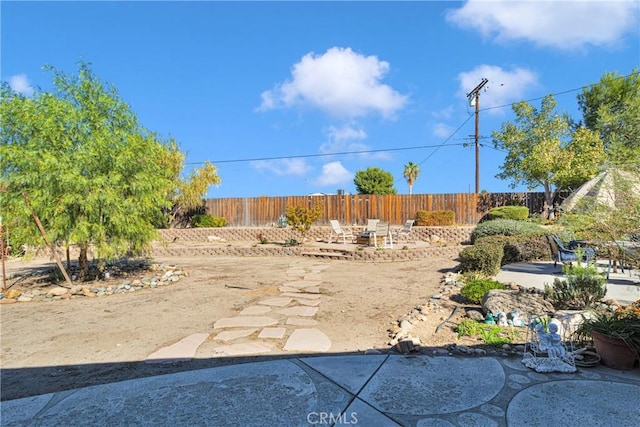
x=368, y=254
x=450, y=235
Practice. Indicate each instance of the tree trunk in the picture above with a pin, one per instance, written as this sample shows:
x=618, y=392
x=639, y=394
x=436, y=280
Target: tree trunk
x=548, y=203
x=83, y=262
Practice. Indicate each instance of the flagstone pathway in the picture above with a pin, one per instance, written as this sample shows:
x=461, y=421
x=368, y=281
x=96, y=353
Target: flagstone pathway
x=277, y=322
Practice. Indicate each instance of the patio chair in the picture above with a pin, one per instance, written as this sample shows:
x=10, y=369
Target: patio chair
x=339, y=231
x=369, y=229
x=562, y=254
x=383, y=230
x=405, y=231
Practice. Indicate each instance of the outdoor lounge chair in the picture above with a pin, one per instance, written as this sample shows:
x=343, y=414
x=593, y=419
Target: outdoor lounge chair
x=405, y=231
x=562, y=254
x=383, y=231
x=370, y=228
x=339, y=231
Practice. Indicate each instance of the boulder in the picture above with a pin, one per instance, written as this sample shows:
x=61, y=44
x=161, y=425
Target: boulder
x=12, y=293
x=526, y=304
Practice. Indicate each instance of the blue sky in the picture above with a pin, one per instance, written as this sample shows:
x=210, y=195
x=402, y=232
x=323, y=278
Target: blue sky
x=292, y=98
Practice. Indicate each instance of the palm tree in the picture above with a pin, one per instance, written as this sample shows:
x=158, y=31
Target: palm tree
x=411, y=172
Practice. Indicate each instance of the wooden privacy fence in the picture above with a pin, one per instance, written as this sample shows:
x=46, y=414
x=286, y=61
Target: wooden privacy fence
x=356, y=209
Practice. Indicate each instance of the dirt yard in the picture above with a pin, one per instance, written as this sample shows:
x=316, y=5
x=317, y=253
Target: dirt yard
x=56, y=345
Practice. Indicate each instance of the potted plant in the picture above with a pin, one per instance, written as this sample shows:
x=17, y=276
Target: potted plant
x=615, y=334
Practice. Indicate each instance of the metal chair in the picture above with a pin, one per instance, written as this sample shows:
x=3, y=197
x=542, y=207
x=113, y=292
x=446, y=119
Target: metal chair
x=339, y=231
x=405, y=231
x=383, y=230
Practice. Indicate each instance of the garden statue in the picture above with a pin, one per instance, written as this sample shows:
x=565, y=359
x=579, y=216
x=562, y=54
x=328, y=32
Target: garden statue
x=546, y=352
x=489, y=319
x=502, y=319
x=515, y=319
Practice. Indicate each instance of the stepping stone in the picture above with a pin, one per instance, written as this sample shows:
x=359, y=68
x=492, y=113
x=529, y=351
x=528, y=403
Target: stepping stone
x=314, y=277
x=232, y=335
x=303, y=283
x=183, y=350
x=288, y=289
x=301, y=295
x=308, y=340
x=309, y=302
x=241, y=349
x=276, y=302
x=299, y=311
x=245, y=322
x=276, y=333
x=312, y=290
x=299, y=321
x=255, y=309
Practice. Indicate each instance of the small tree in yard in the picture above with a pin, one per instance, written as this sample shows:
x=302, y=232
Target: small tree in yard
x=93, y=175
x=301, y=218
x=543, y=150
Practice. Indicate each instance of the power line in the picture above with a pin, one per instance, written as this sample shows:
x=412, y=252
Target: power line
x=342, y=153
x=437, y=147
x=564, y=92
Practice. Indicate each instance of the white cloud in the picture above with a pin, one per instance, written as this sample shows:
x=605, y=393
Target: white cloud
x=341, y=139
x=19, y=83
x=333, y=174
x=504, y=87
x=558, y=24
x=293, y=167
x=442, y=130
x=445, y=113
x=340, y=82
x=347, y=139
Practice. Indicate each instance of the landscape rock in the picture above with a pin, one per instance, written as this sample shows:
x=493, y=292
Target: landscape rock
x=475, y=315
x=57, y=291
x=12, y=293
x=526, y=304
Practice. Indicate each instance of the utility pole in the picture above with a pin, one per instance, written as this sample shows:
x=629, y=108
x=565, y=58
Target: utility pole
x=474, y=98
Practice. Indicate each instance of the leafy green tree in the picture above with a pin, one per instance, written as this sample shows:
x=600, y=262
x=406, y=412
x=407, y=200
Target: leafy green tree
x=374, y=181
x=94, y=176
x=542, y=150
x=612, y=109
x=411, y=172
x=188, y=192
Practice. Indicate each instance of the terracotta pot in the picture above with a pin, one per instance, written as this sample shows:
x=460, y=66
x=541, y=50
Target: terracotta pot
x=614, y=352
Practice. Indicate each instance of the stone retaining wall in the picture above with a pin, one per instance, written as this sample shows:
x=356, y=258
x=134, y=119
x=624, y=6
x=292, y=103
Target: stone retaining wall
x=365, y=255
x=450, y=235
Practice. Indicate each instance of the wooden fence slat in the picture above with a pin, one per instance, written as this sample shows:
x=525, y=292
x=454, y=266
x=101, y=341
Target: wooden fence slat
x=469, y=208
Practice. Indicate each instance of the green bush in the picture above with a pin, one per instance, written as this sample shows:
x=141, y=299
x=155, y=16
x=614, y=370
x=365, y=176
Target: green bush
x=518, y=213
x=583, y=288
x=530, y=246
x=503, y=227
x=482, y=257
x=208, y=221
x=435, y=218
x=475, y=290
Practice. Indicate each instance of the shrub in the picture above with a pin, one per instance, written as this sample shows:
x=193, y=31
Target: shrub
x=483, y=257
x=301, y=218
x=208, y=221
x=503, y=227
x=518, y=213
x=435, y=218
x=530, y=246
x=583, y=288
x=475, y=290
